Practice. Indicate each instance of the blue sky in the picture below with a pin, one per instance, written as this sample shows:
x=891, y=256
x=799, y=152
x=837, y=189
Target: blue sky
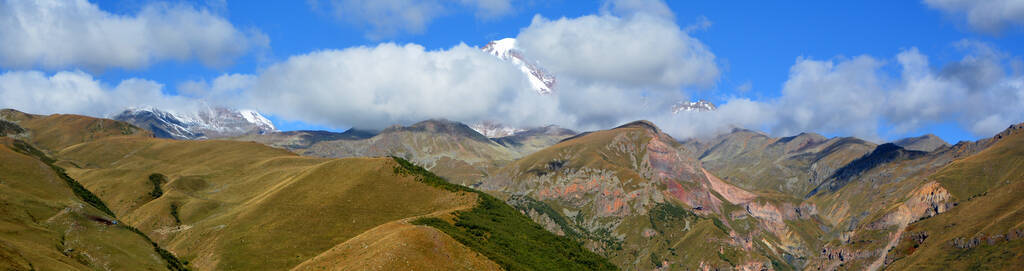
x=755, y=44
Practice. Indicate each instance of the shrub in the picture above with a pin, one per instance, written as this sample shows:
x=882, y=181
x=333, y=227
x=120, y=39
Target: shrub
x=157, y=179
x=504, y=235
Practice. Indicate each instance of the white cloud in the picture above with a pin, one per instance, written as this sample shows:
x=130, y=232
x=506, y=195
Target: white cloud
x=223, y=88
x=639, y=51
x=985, y=15
x=629, y=8
x=736, y=112
x=857, y=97
x=79, y=93
x=701, y=24
x=374, y=87
x=387, y=18
x=831, y=96
x=609, y=70
x=59, y=34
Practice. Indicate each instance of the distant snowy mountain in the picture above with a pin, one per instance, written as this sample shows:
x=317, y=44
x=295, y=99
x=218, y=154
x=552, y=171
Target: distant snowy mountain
x=541, y=81
x=698, y=106
x=494, y=130
x=209, y=122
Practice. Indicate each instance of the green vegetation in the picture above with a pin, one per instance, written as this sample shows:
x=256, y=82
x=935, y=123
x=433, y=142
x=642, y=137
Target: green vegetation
x=9, y=128
x=526, y=203
x=157, y=179
x=664, y=213
x=720, y=225
x=173, y=263
x=79, y=190
x=174, y=213
x=504, y=235
x=87, y=196
x=655, y=260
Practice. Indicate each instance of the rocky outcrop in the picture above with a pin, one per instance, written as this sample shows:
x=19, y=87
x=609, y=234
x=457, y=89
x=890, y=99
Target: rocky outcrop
x=984, y=239
x=928, y=200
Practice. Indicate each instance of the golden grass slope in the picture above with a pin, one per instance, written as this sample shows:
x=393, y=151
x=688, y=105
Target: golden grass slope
x=986, y=229
x=57, y=131
x=44, y=226
x=244, y=206
x=399, y=246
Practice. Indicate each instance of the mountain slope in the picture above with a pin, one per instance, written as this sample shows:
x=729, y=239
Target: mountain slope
x=532, y=140
x=234, y=193
x=303, y=139
x=53, y=132
x=875, y=212
x=450, y=149
x=925, y=143
x=988, y=224
x=238, y=205
x=793, y=165
x=628, y=193
x=47, y=226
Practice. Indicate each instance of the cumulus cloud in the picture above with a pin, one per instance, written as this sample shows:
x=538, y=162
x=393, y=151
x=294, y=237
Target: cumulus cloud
x=610, y=69
x=859, y=97
x=386, y=18
x=639, y=51
x=831, y=96
x=734, y=113
x=54, y=35
x=76, y=92
x=374, y=87
x=225, y=89
x=988, y=16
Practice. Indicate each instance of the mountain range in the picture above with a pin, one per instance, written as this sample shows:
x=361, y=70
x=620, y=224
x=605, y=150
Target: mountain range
x=87, y=193
x=207, y=122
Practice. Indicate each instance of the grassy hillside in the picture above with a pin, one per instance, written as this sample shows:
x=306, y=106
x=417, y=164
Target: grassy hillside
x=57, y=131
x=45, y=224
x=986, y=229
x=245, y=206
x=503, y=234
x=876, y=219
x=398, y=246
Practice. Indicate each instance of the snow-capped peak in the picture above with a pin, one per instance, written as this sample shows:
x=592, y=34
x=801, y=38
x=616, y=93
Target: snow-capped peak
x=207, y=122
x=698, y=106
x=257, y=118
x=502, y=48
x=505, y=49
